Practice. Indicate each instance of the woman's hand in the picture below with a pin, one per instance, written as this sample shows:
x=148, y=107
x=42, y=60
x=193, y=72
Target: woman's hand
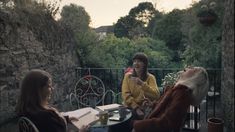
x=137, y=81
x=147, y=103
x=84, y=128
x=72, y=118
x=139, y=113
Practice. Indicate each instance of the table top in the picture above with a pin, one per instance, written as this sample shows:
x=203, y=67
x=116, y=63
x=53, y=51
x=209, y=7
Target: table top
x=111, y=122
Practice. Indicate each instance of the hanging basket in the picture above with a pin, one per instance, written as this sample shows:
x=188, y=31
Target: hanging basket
x=207, y=18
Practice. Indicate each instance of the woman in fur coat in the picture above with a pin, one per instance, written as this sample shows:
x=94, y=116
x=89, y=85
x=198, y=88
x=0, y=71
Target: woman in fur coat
x=170, y=111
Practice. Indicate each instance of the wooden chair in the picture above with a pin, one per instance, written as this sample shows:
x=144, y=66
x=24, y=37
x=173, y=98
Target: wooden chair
x=26, y=125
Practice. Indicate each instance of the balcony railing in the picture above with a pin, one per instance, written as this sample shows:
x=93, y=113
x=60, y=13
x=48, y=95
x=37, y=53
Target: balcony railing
x=112, y=79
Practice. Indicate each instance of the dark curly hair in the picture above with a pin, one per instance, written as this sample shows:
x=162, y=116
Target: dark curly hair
x=144, y=58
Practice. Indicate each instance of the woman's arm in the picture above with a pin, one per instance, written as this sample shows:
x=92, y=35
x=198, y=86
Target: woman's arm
x=150, y=88
x=171, y=117
x=126, y=93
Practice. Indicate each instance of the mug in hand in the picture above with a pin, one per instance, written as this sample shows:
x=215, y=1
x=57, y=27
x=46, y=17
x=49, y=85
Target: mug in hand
x=103, y=117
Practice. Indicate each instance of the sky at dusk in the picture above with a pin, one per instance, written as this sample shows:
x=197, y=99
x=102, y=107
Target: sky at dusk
x=107, y=12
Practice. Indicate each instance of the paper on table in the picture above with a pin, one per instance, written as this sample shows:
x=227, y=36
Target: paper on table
x=109, y=107
x=86, y=116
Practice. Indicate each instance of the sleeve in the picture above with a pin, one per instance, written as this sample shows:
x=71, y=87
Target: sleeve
x=150, y=88
x=67, y=119
x=49, y=122
x=126, y=94
x=171, y=118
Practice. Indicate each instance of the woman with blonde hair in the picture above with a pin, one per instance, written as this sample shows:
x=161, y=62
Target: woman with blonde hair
x=170, y=110
x=33, y=103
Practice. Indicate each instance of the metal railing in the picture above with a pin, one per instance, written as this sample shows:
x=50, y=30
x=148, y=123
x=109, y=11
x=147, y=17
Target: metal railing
x=112, y=78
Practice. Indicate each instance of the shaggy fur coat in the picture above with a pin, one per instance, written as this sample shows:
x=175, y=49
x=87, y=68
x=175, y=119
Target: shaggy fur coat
x=169, y=112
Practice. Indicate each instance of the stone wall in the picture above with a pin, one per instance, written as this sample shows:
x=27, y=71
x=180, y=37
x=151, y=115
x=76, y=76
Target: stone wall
x=37, y=41
x=227, y=88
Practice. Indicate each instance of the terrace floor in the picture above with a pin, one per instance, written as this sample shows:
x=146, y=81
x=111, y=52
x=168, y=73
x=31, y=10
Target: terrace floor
x=12, y=126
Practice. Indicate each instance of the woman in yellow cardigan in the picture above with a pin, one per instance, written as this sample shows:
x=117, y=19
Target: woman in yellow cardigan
x=139, y=86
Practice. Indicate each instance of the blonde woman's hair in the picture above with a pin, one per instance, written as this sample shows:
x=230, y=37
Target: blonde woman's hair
x=198, y=83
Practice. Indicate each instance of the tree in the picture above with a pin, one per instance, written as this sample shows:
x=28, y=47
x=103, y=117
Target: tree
x=151, y=25
x=42, y=6
x=158, y=53
x=168, y=29
x=76, y=18
x=134, y=24
x=144, y=12
x=124, y=25
x=118, y=52
x=203, y=47
x=203, y=42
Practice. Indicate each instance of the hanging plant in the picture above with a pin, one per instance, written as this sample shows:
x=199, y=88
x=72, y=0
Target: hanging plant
x=207, y=15
x=207, y=18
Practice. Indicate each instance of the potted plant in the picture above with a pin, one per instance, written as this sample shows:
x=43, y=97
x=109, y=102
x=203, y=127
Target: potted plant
x=207, y=15
x=215, y=124
x=170, y=79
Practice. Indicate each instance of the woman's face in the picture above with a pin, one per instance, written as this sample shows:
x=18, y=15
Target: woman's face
x=48, y=90
x=138, y=65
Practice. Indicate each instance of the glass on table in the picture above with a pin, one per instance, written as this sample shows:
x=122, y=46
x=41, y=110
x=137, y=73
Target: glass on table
x=103, y=117
x=122, y=112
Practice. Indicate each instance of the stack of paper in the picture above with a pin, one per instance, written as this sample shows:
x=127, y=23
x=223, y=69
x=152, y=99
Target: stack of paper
x=86, y=116
x=110, y=107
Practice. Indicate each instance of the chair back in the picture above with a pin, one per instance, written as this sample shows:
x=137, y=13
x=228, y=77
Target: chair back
x=118, y=98
x=89, y=91
x=26, y=125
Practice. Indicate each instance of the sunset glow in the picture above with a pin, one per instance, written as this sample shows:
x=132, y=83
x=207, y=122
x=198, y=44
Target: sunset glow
x=107, y=12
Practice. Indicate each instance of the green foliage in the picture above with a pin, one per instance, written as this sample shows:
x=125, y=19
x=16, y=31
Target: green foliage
x=125, y=25
x=43, y=7
x=170, y=79
x=152, y=23
x=76, y=18
x=168, y=29
x=87, y=41
x=144, y=12
x=204, y=47
x=111, y=52
x=118, y=52
x=159, y=55
x=203, y=43
x=134, y=24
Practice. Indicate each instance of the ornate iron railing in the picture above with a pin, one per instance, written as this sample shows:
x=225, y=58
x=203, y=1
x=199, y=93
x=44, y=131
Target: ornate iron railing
x=112, y=79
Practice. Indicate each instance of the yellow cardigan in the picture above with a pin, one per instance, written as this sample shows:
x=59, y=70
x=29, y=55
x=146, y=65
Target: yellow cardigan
x=133, y=94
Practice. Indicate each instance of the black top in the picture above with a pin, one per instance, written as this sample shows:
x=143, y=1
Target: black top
x=47, y=121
